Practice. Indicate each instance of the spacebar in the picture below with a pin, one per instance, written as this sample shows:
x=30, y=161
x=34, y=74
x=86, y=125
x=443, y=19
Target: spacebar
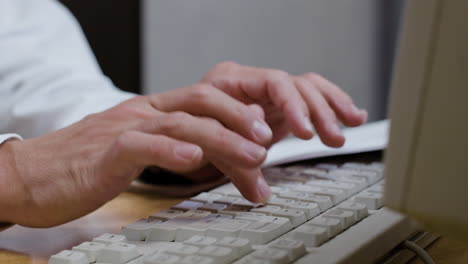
x=366, y=241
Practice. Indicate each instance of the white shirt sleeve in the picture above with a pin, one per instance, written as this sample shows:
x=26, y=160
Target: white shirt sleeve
x=49, y=77
x=5, y=137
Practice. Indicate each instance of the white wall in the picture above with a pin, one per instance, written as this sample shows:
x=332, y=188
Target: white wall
x=339, y=39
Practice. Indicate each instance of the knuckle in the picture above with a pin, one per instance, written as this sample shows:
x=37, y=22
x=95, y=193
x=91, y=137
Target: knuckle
x=139, y=99
x=242, y=112
x=276, y=75
x=222, y=136
x=226, y=64
x=123, y=140
x=312, y=76
x=202, y=92
x=172, y=122
x=212, y=122
x=303, y=82
x=155, y=148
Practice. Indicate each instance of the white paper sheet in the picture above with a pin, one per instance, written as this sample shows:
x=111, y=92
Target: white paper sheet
x=369, y=137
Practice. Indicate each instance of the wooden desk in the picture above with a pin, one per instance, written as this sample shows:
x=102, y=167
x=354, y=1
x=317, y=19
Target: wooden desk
x=21, y=245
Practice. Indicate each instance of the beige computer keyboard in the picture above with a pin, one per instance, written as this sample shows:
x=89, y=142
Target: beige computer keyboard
x=323, y=212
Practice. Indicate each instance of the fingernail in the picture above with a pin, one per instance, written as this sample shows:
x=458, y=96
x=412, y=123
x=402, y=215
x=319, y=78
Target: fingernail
x=262, y=131
x=254, y=151
x=364, y=115
x=307, y=124
x=334, y=128
x=187, y=152
x=263, y=189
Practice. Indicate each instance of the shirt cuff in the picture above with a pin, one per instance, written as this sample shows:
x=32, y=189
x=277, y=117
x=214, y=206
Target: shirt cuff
x=5, y=137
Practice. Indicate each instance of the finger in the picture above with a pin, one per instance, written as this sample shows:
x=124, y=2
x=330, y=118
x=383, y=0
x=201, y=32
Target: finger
x=257, y=110
x=206, y=100
x=257, y=85
x=340, y=101
x=249, y=182
x=322, y=115
x=158, y=150
x=210, y=135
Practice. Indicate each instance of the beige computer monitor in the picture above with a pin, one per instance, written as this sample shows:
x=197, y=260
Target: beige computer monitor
x=427, y=155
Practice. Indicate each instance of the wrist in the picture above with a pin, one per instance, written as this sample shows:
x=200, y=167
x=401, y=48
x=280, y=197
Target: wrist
x=12, y=187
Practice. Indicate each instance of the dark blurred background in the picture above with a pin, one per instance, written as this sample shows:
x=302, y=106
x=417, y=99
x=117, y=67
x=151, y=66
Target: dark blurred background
x=113, y=31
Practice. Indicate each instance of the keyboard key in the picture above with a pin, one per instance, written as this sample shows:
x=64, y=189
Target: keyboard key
x=212, y=207
x=324, y=202
x=295, y=248
x=296, y=168
x=370, y=176
x=162, y=258
x=290, y=174
x=261, y=232
x=117, y=253
x=283, y=183
x=359, y=210
x=187, y=218
x=183, y=250
x=195, y=259
x=278, y=189
x=326, y=166
x=377, y=165
x=239, y=246
x=161, y=232
x=315, y=172
x=336, y=195
x=199, y=227
x=253, y=216
x=108, y=239
x=91, y=249
x=137, y=231
x=274, y=255
x=232, y=200
x=187, y=205
x=346, y=218
x=219, y=254
x=296, y=217
x=251, y=260
x=227, y=228
x=376, y=188
x=311, y=210
x=69, y=257
x=234, y=210
x=360, y=182
x=281, y=202
x=166, y=214
x=207, y=197
x=266, y=209
x=200, y=241
x=372, y=200
x=354, y=165
x=333, y=226
x=347, y=187
x=361, y=167
x=311, y=236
